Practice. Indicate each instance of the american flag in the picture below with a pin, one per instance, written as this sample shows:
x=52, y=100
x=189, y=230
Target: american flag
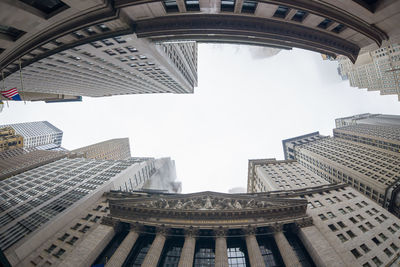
x=11, y=94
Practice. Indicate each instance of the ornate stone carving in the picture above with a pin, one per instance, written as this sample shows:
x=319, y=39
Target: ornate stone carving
x=208, y=203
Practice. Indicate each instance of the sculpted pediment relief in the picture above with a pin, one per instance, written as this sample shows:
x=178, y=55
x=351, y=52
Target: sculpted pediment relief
x=207, y=201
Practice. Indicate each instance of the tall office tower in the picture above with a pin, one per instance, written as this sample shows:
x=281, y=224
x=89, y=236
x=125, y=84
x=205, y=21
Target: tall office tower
x=41, y=134
x=39, y=202
x=114, y=66
x=346, y=224
x=371, y=170
x=368, y=118
x=377, y=70
x=289, y=144
x=9, y=140
x=114, y=149
x=22, y=159
x=381, y=136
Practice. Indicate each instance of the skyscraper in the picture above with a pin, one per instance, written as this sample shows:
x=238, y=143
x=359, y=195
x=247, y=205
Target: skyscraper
x=377, y=70
x=113, y=149
x=37, y=203
x=355, y=228
x=41, y=134
x=114, y=66
x=368, y=118
x=365, y=156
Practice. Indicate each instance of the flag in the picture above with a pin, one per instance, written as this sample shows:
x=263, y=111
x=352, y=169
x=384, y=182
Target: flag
x=11, y=94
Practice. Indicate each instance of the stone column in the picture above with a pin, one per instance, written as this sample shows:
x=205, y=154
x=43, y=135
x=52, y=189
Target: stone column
x=187, y=254
x=288, y=255
x=221, y=253
x=253, y=249
x=118, y=258
x=154, y=253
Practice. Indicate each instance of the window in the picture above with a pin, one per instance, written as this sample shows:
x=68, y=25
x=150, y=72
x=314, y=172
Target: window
x=359, y=205
x=322, y=217
x=391, y=230
x=361, y=218
x=394, y=247
x=192, y=5
x=51, y=248
x=364, y=203
x=353, y=220
x=377, y=261
x=337, y=199
x=342, y=211
x=72, y=240
x=87, y=217
x=381, y=235
x=249, y=6
x=384, y=216
x=342, y=237
x=339, y=28
x=379, y=220
x=362, y=228
x=103, y=27
x=47, y=6
x=330, y=201
x=12, y=32
x=396, y=226
x=330, y=214
x=227, y=5
x=351, y=234
x=370, y=225
x=299, y=16
x=281, y=12
x=365, y=248
x=76, y=226
x=324, y=25
x=349, y=209
x=332, y=227
x=388, y=252
x=376, y=241
x=65, y=236
x=59, y=253
x=356, y=253
x=85, y=229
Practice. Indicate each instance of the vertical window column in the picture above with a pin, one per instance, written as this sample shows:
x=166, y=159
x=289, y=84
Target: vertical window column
x=123, y=250
x=188, y=249
x=221, y=248
x=153, y=256
x=288, y=255
x=253, y=248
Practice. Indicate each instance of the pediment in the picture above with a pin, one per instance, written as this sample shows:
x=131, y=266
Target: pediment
x=204, y=201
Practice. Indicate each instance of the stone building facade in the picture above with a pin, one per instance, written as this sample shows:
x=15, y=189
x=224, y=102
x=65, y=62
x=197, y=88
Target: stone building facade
x=113, y=149
x=362, y=232
x=9, y=140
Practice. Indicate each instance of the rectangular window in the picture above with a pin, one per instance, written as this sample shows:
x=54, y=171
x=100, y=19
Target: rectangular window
x=351, y=234
x=353, y=220
x=48, y=7
x=59, y=253
x=342, y=211
x=341, y=224
x=377, y=261
x=192, y=5
x=370, y=225
x=332, y=227
x=356, y=253
x=281, y=12
x=361, y=218
x=365, y=248
x=330, y=214
x=342, y=237
x=325, y=24
x=362, y=228
x=376, y=241
x=388, y=252
x=349, y=209
x=394, y=247
x=299, y=16
x=11, y=32
x=227, y=5
x=249, y=6
x=381, y=235
x=322, y=217
x=65, y=236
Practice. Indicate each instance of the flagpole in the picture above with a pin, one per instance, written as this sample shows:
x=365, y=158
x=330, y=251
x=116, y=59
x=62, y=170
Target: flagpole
x=4, y=84
x=20, y=77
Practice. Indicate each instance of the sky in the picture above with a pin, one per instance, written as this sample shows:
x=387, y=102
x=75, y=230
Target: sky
x=244, y=106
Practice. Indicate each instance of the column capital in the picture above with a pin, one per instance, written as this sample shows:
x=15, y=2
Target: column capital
x=163, y=230
x=249, y=230
x=220, y=231
x=191, y=231
x=277, y=227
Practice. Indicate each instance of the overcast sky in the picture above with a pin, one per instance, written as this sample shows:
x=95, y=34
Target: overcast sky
x=242, y=109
